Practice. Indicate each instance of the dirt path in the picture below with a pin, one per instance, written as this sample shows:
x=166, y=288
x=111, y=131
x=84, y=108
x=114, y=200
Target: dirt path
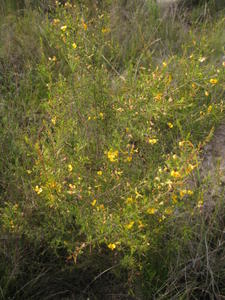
x=212, y=168
x=214, y=156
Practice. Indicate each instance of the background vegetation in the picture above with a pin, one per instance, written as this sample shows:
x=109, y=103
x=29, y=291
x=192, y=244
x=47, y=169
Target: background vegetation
x=106, y=107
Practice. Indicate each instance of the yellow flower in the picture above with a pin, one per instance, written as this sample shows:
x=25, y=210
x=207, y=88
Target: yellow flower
x=84, y=24
x=141, y=225
x=120, y=109
x=72, y=186
x=63, y=28
x=112, y=155
x=213, y=80
x=209, y=109
x=186, y=192
x=118, y=173
x=71, y=192
x=70, y=168
x=152, y=141
x=12, y=225
x=175, y=174
x=182, y=193
x=138, y=195
x=158, y=96
x=101, y=206
x=105, y=30
x=52, y=58
x=93, y=202
x=99, y=173
x=181, y=143
x=200, y=203
x=101, y=115
x=129, y=159
x=38, y=189
x=130, y=225
x=129, y=200
x=190, y=168
x=74, y=45
x=190, y=192
x=170, y=125
x=112, y=246
x=151, y=211
x=162, y=218
x=206, y=93
x=29, y=171
x=53, y=120
x=174, y=198
x=55, y=21
x=164, y=64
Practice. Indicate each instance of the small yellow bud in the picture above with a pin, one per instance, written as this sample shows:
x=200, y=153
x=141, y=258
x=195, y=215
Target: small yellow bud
x=70, y=168
x=130, y=225
x=93, y=202
x=101, y=115
x=209, y=108
x=53, y=120
x=38, y=189
x=175, y=174
x=63, y=28
x=170, y=125
x=151, y=211
x=152, y=141
x=112, y=246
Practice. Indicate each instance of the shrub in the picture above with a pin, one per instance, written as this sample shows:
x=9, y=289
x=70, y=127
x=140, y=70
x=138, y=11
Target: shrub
x=95, y=160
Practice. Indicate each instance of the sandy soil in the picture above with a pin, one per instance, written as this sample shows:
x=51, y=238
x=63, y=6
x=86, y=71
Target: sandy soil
x=212, y=168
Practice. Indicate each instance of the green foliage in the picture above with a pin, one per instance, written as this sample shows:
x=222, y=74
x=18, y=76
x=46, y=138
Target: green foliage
x=103, y=118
